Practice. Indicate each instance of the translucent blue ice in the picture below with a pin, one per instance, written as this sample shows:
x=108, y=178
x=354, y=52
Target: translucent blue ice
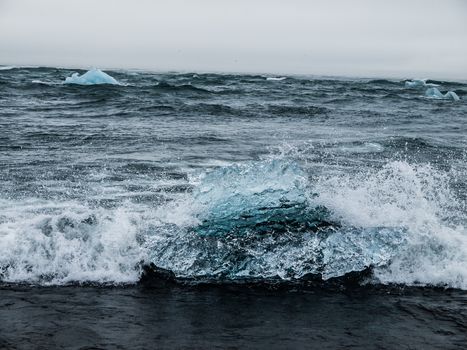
x=435, y=93
x=262, y=196
x=417, y=83
x=92, y=77
x=452, y=95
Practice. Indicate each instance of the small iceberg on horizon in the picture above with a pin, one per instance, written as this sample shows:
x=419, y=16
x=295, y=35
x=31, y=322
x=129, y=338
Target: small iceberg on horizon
x=91, y=77
x=435, y=93
x=415, y=83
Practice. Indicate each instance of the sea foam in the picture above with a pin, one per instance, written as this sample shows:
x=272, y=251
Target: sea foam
x=393, y=219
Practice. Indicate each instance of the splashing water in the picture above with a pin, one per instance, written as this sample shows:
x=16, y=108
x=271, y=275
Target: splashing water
x=393, y=219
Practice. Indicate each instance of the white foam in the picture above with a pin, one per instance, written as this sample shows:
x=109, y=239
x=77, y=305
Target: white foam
x=16, y=67
x=42, y=82
x=416, y=198
x=397, y=218
x=57, y=243
x=276, y=78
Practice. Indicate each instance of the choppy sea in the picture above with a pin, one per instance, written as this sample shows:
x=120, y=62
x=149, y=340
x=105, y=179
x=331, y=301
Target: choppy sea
x=301, y=199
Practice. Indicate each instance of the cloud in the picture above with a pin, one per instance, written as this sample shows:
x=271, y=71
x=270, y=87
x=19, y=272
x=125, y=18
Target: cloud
x=336, y=37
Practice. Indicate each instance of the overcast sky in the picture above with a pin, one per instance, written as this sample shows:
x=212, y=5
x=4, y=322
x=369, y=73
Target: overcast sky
x=393, y=38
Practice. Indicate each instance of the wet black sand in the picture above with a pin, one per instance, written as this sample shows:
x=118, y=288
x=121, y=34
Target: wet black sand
x=173, y=316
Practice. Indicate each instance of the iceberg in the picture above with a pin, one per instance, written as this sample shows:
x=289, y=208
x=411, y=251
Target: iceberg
x=416, y=83
x=435, y=93
x=452, y=95
x=92, y=77
x=262, y=197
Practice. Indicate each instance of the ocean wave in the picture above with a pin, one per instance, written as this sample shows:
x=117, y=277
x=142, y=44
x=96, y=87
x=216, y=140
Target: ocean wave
x=59, y=243
x=3, y=68
x=276, y=78
x=392, y=220
x=383, y=82
x=263, y=219
x=167, y=87
x=42, y=82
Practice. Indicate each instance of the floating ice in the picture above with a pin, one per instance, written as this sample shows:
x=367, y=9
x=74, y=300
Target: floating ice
x=435, y=93
x=452, y=95
x=92, y=77
x=393, y=219
x=416, y=83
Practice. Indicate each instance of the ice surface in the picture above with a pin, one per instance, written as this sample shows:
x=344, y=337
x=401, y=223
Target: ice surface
x=417, y=83
x=260, y=196
x=452, y=95
x=92, y=77
x=435, y=93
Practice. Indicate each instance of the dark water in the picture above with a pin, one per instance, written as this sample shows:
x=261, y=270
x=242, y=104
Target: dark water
x=234, y=178
x=236, y=318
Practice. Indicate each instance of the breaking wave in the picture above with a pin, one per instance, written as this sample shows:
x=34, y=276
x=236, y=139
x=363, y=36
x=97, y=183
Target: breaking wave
x=263, y=219
x=50, y=243
x=267, y=219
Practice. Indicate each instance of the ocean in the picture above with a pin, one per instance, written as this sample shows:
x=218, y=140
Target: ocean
x=214, y=210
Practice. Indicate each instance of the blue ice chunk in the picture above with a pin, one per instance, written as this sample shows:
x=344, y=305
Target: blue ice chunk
x=435, y=93
x=452, y=95
x=417, y=83
x=258, y=196
x=92, y=77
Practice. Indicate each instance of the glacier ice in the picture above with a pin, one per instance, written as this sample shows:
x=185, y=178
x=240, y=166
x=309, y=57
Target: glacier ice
x=261, y=196
x=435, y=93
x=91, y=77
x=452, y=95
x=416, y=83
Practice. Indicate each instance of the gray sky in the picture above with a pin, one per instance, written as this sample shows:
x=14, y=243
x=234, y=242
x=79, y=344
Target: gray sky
x=394, y=38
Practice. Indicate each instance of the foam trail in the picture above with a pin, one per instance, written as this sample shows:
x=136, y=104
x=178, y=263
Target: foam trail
x=92, y=77
x=276, y=78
